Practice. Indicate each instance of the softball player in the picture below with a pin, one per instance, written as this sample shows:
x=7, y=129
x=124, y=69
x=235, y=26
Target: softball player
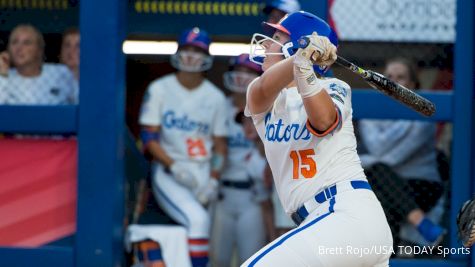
x=184, y=124
x=305, y=122
x=237, y=217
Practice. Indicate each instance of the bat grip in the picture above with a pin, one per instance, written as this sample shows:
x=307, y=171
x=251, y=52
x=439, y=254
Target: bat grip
x=348, y=65
x=304, y=41
x=343, y=62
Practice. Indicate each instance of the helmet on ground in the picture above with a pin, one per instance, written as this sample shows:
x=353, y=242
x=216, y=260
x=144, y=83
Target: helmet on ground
x=193, y=60
x=238, y=79
x=296, y=25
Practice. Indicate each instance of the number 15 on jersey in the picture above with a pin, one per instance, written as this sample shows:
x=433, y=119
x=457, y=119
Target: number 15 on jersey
x=303, y=163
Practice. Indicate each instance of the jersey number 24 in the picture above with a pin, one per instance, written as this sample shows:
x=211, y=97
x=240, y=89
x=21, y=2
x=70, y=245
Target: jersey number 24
x=196, y=147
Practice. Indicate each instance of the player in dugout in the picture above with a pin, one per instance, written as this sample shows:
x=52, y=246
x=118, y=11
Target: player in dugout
x=238, y=221
x=184, y=128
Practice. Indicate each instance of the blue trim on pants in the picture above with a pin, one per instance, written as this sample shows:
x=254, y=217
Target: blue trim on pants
x=296, y=231
x=169, y=201
x=199, y=261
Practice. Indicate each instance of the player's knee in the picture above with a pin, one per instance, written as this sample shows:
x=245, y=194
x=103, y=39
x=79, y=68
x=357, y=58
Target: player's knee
x=201, y=221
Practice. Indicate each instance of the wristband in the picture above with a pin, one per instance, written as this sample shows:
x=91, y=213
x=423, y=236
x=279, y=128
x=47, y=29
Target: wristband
x=217, y=162
x=308, y=84
x=147, y=136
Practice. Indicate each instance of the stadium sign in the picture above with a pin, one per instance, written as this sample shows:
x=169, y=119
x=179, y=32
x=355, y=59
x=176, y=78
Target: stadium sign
x=394, y=20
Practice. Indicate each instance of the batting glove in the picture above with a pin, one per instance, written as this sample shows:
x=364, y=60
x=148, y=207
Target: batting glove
x=320, y=51
x=307, y=82
x=183, y=175
x=209, y=192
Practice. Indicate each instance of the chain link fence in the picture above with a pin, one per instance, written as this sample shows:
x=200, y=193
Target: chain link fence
x=27, y=78
x=407, y=162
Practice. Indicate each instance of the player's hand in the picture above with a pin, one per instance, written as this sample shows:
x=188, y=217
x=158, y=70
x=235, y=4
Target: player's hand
x=183, y=175
x=319, y=51
x=209, y=192
x=4, y=63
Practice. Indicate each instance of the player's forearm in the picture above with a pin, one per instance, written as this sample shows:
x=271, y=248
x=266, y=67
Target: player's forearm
x=220, y=150
x=267, y=211
x=159, y=154
x=264, y=91
x=318, y=104
x=320, y=111
x=220, y=145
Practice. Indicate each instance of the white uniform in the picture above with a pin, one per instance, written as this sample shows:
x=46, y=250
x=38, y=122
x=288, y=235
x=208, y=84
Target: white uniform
x=282, y=220
x=188, y=121
x=304, y=163
x=238, y=217
x=54, y=86
x=170, y=237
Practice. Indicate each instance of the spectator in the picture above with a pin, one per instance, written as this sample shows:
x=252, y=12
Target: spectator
x=238, y=220
x=25, y=79
x=70, y=51
x=399, y=158
x=184, y=128
x=277, y=9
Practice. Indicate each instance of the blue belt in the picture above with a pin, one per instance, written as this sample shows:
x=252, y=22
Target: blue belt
x=238, y=184
x=329, y=192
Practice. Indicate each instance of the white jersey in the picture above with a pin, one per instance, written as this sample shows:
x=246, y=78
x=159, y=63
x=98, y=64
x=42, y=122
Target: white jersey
x=54, y=86
x=303, y=162
x=239, y=149
x=188, y=118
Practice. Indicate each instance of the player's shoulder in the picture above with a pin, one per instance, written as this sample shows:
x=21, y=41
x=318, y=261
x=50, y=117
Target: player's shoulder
x=160, y=84
x=334, y=85
x=213, y=91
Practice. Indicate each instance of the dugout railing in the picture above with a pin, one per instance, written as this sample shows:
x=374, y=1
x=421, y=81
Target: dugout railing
x=99, y=123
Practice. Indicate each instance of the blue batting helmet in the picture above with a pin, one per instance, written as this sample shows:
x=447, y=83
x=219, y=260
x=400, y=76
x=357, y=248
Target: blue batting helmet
x=237, y=80
x=191, y=61
x=195, y=37
x=243, y=60
x=300, y=24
